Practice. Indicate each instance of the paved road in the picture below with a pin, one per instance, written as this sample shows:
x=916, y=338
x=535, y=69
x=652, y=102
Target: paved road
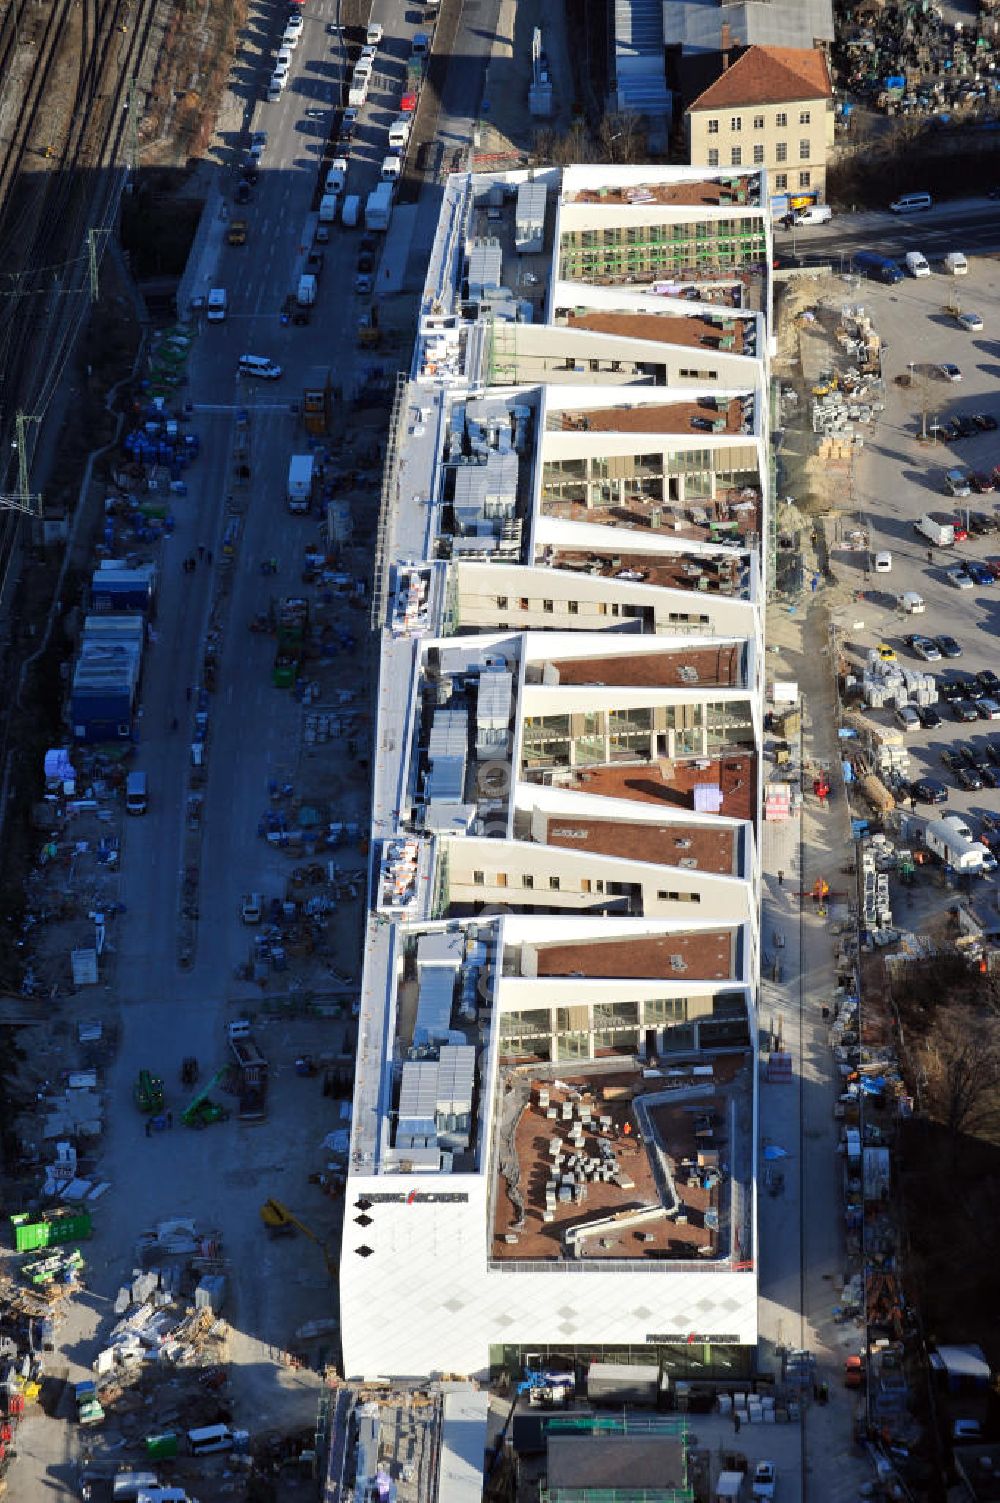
x=966, y=224
x=221, y=1176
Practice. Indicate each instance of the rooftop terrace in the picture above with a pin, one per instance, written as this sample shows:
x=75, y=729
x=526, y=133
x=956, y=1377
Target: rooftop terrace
x=671, y=326
x=707, y=955
x=732, y=514
x=719, y=575
x=712, y=415
x=680, y=669
x=704, y=193
x=618, y=1165
x=670, y=783
x=697, y=847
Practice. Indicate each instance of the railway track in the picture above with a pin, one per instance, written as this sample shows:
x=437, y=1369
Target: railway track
x=55, y=27
x=47, y=303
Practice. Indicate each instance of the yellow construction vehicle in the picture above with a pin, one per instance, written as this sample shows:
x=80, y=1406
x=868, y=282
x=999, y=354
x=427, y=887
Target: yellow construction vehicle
x=369, y=334
x=280, y=1221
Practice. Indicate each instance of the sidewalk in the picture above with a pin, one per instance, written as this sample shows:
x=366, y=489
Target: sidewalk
x=803, y=1256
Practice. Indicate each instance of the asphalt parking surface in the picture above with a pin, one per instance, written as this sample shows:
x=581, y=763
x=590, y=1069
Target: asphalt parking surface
x=900, y=477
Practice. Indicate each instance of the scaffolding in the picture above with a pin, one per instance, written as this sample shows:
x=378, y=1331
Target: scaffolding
x=388, y=499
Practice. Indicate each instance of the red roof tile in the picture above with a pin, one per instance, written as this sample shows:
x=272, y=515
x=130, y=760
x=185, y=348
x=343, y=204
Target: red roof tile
x=769, y=75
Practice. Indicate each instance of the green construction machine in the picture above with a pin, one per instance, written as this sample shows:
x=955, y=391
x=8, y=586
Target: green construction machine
x=148, y=1093
x=292, y=624
x=200, y=1110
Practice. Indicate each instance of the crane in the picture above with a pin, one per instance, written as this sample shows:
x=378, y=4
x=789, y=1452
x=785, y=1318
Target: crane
x=278, y=1219
x=199, y=1111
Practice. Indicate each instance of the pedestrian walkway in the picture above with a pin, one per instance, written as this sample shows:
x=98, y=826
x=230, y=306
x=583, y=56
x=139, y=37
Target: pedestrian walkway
x=803, y=1254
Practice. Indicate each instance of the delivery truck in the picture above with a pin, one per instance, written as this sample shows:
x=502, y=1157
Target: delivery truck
x=936, y=530
x=301, y=482
x=305, y=294
x=253, y=1072
x=378, y=208
x=952, y=843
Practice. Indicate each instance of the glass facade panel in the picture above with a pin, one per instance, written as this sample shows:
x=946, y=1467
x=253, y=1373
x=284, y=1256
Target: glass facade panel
x=659, y=1010
x=546, y=739
x=570, y=1046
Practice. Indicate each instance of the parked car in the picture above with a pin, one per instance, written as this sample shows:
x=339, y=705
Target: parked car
x=983, y=484
x=929, y=791
x=764, y=1479
x=979, y=573
x=960, y=578
x=886, y=652
x=952, y=759
x=969, y=779
x=988, y=682
x=971, y=322
x=949, y=371
x=985, y=421
x=988, y=708
x=964, y=710
x=949, y=648
x=929, y=717
x=923, y=647
x=906, y=718
x=242, y=194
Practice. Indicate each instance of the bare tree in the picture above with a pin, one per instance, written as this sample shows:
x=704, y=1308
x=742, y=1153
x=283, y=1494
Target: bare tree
x=961, y=1057
x=622, y=137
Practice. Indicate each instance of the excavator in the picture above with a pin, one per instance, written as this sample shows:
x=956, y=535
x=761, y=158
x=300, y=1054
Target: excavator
x=200, y=1111
x=280, y=1221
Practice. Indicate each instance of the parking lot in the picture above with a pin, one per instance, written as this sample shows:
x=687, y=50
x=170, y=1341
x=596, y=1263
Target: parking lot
x=901, y=476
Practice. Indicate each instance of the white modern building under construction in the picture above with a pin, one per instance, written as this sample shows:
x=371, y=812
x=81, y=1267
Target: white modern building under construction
x=553, y=1137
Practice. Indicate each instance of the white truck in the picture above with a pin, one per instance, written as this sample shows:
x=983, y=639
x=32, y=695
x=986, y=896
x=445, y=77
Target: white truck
x=305, y=293
x=301, y=482
x=351, y=212
x=215, y=309
x=399, y=133
x=328, y=208
x=952, y=841
x=358, y=92
x=378, y=208
x=941, y=534
x=336, y=178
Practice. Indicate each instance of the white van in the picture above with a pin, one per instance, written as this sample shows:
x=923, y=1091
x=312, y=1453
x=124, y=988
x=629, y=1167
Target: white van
x=209, y=1438
x=916, y=264
x=399, y=133
x=336, y=177
x=328, y=208
x=260, y=367
x=275, y=87
x=814, y=214
x=911, y=202
x=956, y=263
x=391, y=169
x=351, y=211
x=128, y=1485
x=136, y=793
x=883, y=563
x=215, y=309
x=283, y=61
